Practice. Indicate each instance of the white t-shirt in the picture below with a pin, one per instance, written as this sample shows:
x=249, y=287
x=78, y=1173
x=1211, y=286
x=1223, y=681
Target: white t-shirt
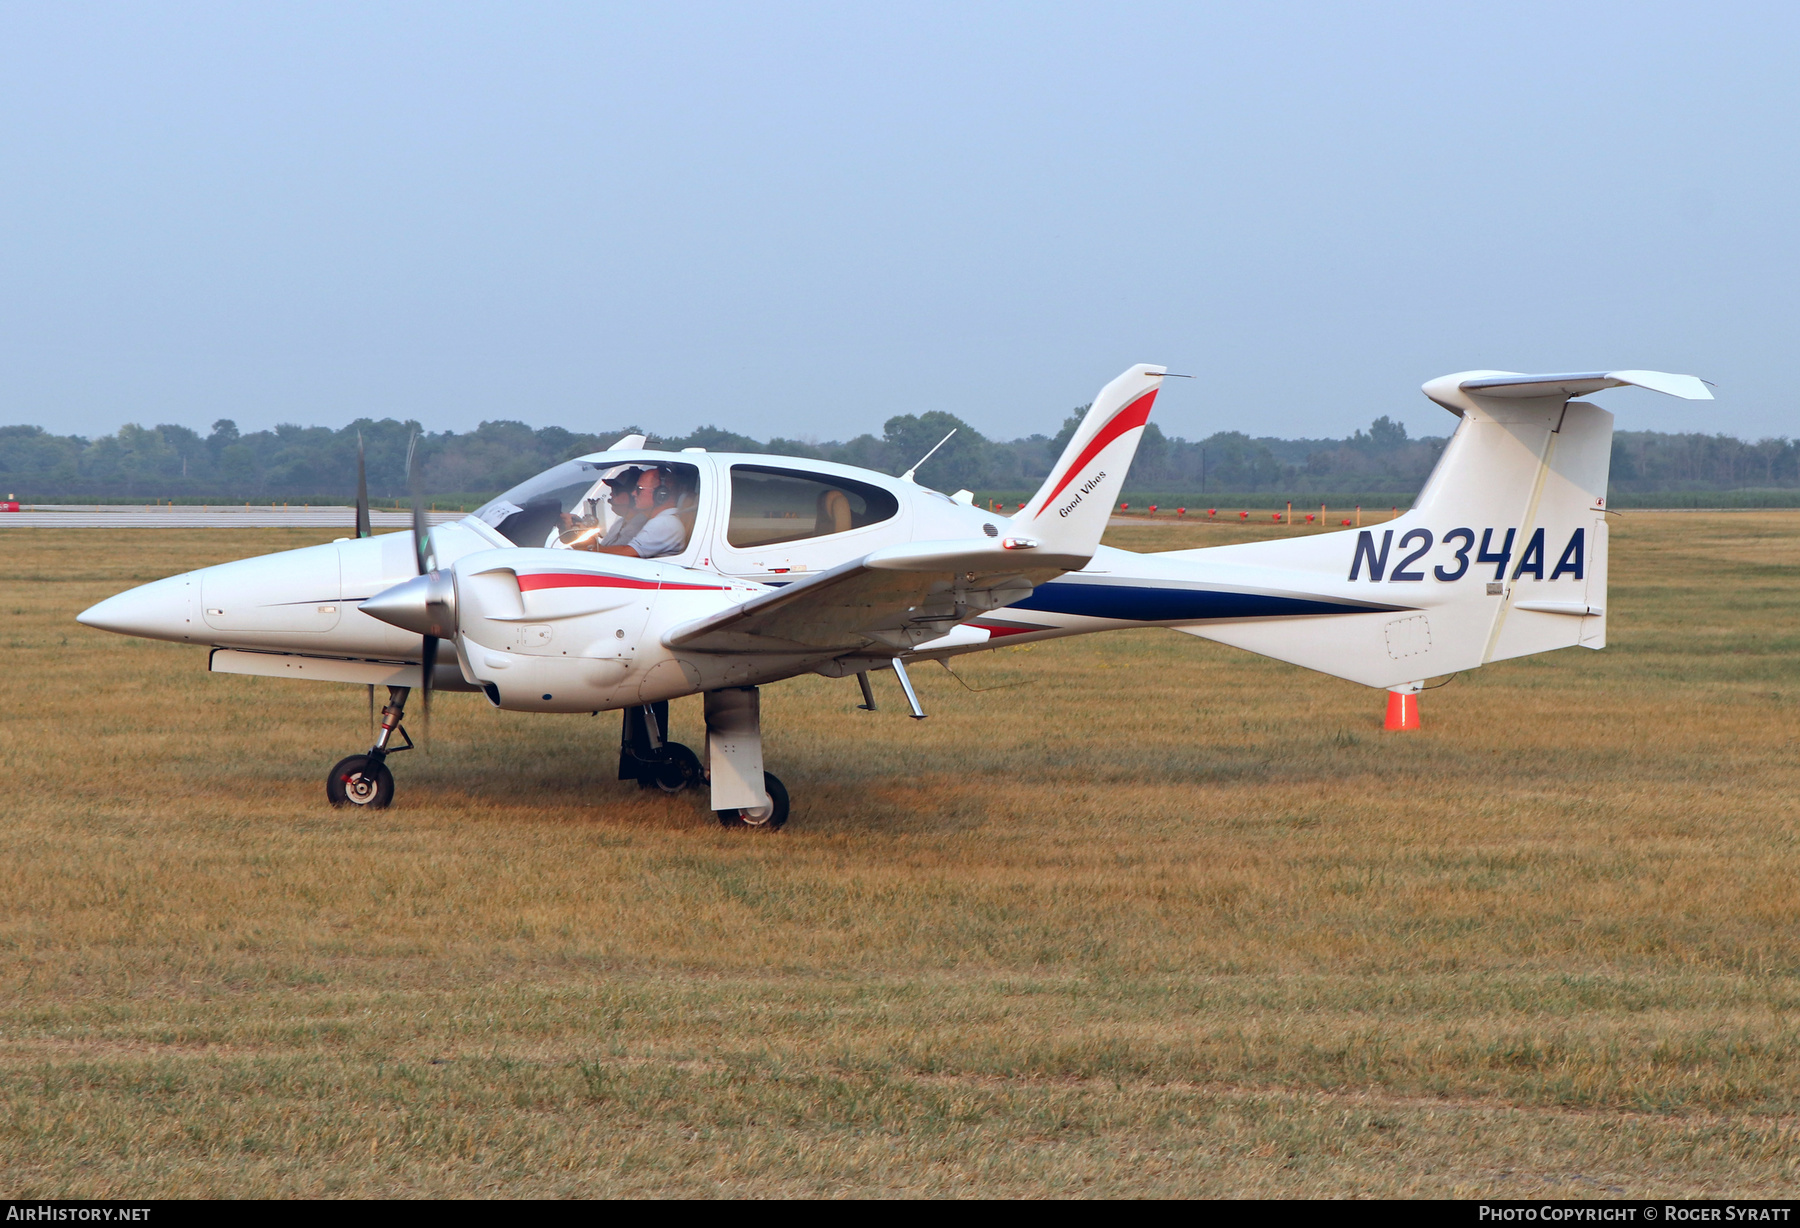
x=662, y=534
x=623, y=530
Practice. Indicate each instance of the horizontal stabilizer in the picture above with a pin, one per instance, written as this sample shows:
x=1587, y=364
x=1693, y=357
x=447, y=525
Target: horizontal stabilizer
x=1511, y=385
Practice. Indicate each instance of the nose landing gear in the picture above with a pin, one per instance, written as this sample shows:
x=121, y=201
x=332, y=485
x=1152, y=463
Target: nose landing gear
x=364, y=780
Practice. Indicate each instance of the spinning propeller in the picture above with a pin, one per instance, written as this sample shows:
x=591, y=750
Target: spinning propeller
x=426, y=562
x=425, y=604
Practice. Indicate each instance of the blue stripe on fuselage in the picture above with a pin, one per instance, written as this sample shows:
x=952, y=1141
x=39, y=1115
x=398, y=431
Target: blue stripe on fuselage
x=1137, y=603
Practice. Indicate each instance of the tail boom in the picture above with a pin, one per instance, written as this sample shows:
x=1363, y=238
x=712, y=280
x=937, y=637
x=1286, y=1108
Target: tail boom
x=1504, y=554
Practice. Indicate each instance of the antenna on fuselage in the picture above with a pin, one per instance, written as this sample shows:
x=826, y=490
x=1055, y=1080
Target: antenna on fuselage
x=908, y=475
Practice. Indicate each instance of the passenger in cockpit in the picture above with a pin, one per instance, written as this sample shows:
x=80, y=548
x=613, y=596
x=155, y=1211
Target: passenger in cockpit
x=582, y=529
x=834, y=513
x=664, y=531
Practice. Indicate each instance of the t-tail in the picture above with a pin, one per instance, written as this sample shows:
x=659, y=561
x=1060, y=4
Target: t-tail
x=1069, y=512
x=1502, y=555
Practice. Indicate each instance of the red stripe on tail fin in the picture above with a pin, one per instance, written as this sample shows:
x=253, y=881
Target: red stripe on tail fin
x=1132, y=416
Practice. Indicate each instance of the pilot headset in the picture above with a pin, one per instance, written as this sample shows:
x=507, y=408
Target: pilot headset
x=663, y=480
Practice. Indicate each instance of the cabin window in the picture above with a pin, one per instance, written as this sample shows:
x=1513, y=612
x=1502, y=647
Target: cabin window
x=770, y=505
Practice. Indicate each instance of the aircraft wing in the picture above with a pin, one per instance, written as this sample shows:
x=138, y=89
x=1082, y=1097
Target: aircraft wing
x=891, y=600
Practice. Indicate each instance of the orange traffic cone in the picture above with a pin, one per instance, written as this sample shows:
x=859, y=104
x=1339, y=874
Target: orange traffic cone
x=1403, y=707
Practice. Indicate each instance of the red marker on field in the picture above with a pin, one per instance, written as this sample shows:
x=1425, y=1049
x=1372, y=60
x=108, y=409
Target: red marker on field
x=1402, y=710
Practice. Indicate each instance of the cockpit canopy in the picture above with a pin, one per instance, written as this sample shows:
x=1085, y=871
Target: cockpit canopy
x=540, y=512
x=739, y=515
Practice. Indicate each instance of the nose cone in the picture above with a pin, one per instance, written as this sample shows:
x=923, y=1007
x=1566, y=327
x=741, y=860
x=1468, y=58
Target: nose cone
x=160, y=610
x=424, y=604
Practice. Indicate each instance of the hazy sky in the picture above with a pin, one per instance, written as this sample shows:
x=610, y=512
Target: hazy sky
x=800, y=220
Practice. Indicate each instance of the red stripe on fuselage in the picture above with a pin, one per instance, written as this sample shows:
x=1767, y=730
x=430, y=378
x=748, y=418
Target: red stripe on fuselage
x=1133, y=415
x=997, y=630
x=588, y=579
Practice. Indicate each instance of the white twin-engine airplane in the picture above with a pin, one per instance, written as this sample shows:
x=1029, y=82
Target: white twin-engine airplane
x=765, y=568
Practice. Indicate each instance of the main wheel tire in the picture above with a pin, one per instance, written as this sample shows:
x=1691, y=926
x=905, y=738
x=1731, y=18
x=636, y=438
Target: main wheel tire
x=770, y=817
x=352, y=784
x=679, y=770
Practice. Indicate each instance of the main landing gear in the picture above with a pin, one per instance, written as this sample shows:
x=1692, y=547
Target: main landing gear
x=743, y=795
x=644, y=755
x=772, y=814
x=364, y=780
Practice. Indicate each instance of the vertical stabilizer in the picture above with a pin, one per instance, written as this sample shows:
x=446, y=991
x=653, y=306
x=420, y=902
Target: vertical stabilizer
x=1068, y=514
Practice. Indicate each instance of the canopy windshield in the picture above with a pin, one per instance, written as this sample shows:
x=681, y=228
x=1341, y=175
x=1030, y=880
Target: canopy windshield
x=531, y=513
x=601, y=504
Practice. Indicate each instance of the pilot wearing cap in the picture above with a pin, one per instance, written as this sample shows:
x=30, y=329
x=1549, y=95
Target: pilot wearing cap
x=583, y=532
x=662, y=532
x=622, y=488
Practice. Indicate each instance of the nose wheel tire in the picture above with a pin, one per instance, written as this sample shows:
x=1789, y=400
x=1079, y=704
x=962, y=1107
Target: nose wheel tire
x=769, y=816
x=353, y=783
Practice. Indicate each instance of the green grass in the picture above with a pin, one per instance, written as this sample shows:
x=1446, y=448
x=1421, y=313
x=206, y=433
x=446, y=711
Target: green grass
x=1161, y=919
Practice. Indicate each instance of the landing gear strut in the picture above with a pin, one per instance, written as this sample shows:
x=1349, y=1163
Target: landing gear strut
x=648, y=758
x=743, y=795
x=364, y=780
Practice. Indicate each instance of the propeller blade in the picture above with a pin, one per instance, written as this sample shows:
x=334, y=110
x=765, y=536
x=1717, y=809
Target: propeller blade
x=421, y=534
x=362, y=492
x=428, y=658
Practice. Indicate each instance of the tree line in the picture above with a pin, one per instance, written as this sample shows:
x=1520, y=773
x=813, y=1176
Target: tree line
x=295, y=462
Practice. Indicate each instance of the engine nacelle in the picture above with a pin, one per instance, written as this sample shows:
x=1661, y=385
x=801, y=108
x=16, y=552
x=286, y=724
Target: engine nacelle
x=563, y=631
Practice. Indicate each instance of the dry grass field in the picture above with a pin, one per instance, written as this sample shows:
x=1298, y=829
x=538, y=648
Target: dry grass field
x=1160, y=919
